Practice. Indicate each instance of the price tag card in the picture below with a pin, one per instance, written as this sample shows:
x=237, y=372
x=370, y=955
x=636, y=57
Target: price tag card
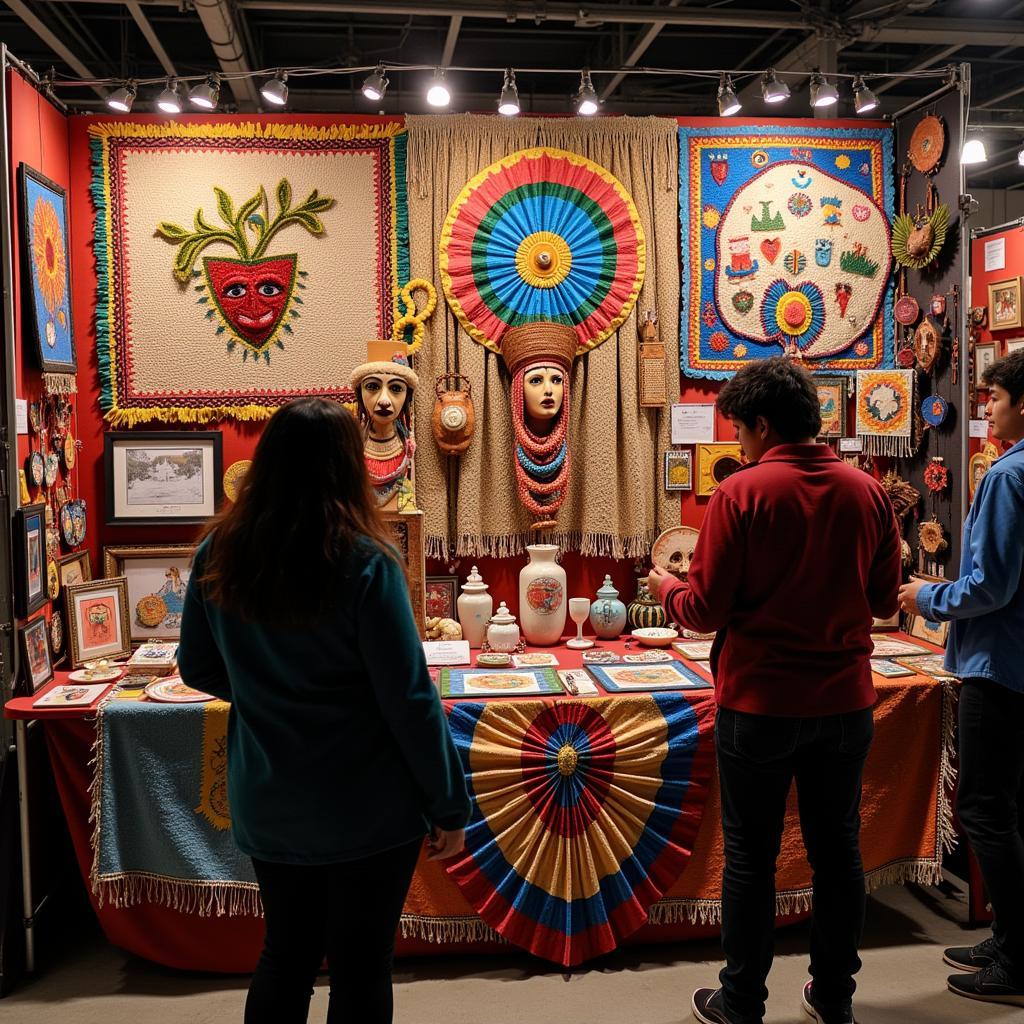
x=851, y=444
x=979, y=428
x=446, y=652
x=693, y=424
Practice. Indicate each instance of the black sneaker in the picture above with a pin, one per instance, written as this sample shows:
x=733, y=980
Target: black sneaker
x=990, y=985
x=972, y=958
x=843, y=1016
x=707, y=1007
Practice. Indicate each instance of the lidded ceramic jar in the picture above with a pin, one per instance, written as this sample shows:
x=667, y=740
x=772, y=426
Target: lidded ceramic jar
x=542, y=603
x=502, y=631
x=608, y=613
x=475, y=606
x=644, y=611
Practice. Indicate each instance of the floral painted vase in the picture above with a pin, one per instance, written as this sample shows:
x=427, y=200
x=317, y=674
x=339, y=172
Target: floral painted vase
x=608, y=613
x=542, y=604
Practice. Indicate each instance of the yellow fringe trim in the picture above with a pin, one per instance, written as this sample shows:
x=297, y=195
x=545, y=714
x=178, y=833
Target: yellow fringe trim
x=243, y=130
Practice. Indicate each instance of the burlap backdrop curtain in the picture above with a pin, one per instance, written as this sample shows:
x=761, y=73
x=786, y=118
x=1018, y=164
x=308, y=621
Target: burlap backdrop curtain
x=616, y=502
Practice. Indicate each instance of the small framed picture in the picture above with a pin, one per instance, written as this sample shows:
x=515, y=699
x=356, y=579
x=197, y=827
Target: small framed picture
x=162, y=477
x=924, y=629
x=74, y=568
x=35, y=653
x=1004, y=304
x=157, y=576
x=1014, y=345
x=889, y=669
x=832, y=397
x=715, y=463
x=679, y=470
x=441, y=594
x=98, y=625
x=984, y=357
x=30, y=585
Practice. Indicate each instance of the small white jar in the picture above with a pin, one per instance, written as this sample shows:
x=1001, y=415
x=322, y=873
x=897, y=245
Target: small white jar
x=503, y=631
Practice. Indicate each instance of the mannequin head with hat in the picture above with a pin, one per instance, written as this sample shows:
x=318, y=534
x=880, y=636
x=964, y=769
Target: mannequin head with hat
x=384, y=388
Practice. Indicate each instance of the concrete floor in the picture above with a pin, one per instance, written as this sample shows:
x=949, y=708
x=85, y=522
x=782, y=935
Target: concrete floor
x=903, y=981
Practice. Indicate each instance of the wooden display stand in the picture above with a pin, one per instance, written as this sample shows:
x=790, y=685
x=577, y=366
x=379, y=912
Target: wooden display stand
x=407, y=528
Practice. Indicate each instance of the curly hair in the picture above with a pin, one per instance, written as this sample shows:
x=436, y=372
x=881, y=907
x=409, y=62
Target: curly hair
x=1008, y=373
x=778, y=389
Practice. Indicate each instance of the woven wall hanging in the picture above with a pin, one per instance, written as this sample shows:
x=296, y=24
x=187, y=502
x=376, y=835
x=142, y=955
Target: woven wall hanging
x=885, y=411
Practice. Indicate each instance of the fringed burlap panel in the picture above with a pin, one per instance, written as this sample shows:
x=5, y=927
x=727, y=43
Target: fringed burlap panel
x=616, y=503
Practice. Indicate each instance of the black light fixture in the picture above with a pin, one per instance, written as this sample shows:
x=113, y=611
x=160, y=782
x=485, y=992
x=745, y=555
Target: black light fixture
x=275, y=90
x=121, y=98
x=206, y=94
x=864, y=100
x=728, y=101
x=375, y=84
x=772, y=89
x=508, y=104
x=587, y=102
x=169, y=101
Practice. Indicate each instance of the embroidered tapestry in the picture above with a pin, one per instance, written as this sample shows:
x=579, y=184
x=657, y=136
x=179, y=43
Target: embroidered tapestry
x=885, y=402
x=584, y=814
x=242, y=265
x=786, y=247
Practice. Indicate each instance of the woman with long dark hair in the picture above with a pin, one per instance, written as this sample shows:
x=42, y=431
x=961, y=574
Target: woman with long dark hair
x=339, y=756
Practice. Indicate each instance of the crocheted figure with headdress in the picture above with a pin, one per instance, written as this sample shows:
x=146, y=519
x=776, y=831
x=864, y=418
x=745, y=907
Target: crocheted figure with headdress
x=539, y=357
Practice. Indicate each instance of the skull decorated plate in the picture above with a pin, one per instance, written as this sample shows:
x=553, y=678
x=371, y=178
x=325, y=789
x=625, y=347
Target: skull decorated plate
x=674, y=548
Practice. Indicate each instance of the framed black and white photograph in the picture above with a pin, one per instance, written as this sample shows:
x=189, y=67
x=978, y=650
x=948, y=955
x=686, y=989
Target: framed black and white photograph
x=162, y=477
x=679, y=470
x=157, y=576
x=30, y=586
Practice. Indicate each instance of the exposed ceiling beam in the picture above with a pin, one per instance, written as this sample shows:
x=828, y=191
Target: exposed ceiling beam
x=30, y=18
x=218, y=22
x=639, y=48
x=993, y=101
x=938, y=31
x=454, y=25
x=922, y=64
x=151, y=37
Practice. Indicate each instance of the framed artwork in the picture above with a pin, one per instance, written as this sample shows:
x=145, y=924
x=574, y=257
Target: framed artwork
x=984, y=357
x=930, y=664
x=441, y=593
x=832, y=397
x=407, y=530
x=715, y=463
x=1014, y=345
x=35, y=653
x=74, y=568
x=30, y=586
x=497, y=682
x=1004, y=304
x=44, y=255
x=672, y=675
x=891, y=647
x=924, y=629
x=157, y=576
x=889, y=669
x=97, y=617
x=162, y=477
x=679, y=470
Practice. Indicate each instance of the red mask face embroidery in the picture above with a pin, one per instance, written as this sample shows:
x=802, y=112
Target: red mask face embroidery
x=252, y=297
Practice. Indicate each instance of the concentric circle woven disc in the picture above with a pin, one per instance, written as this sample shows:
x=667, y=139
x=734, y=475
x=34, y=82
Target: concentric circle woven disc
x=927, y=143
x=584, y=814
x=543, y=234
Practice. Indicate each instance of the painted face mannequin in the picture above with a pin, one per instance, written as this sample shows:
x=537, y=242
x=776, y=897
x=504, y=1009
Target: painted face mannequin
x=383, y=398
x=543, y=394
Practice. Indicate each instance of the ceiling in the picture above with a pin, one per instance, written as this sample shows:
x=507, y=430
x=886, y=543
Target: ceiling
x=98, y=39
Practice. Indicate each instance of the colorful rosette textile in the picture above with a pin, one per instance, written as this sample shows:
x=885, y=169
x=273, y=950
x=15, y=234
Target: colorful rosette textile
x=584, y=814
x=786, y=247
x=241, y=265
x=885, y=415
x=543, y=234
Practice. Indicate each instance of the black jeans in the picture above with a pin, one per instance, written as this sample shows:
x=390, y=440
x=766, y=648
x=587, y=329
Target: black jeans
x=347, y=912
x=990, y=803
x=758, y=759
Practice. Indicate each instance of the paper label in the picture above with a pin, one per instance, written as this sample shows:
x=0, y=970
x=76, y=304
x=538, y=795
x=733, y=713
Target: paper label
x=693, y=424
x=446, y=652
x=995, y=253
x=979, y=428
x=21, y=414
x=851, y=444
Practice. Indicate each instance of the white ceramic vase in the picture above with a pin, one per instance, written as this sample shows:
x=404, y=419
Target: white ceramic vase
x=542, y=602
x=475, y=606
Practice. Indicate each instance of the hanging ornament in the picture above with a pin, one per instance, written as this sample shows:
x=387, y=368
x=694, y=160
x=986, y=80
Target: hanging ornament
x=932, y=537
x=917, y=241
x=927, y=144
x=907, y=310
x=927, y=343
x=938, y=305
x=453, y=418
x=934, y=410
x=936, y=475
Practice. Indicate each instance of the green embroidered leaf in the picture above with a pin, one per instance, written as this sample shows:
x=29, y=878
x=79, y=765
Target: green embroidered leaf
x=249, y=207
x=309, y=221
x=284, y=194
x=171, y=231
x=224, y=206
x=201, y=224
x=317, y=205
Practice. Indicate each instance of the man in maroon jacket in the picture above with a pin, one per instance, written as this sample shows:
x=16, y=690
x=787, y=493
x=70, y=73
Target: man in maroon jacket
x=797, y=552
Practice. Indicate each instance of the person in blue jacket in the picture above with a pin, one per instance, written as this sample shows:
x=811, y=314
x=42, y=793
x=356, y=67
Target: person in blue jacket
x=339, y=757
x=986, y=650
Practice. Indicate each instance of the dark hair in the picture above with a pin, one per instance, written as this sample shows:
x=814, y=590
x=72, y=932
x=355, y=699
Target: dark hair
x=778, y=389
x=278, y=554
x=1008, y=373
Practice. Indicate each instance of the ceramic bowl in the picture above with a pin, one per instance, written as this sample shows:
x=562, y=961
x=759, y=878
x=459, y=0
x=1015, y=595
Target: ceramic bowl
x=655, y=636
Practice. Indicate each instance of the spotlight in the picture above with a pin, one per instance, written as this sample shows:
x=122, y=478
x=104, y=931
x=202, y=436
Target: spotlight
x=375, y=84
x=275, y=90
x=508, y=104
x=973, y=152
x=169, y=101
x=1020, y=156
x=439, y=95
x=864, y=100
x=206, y=94
x=728, y=102
x=587, y=102
x=772, y=89
x=823, y=93
x=121, y=99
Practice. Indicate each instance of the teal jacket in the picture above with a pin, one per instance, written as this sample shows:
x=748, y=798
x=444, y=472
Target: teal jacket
x=337, y=744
